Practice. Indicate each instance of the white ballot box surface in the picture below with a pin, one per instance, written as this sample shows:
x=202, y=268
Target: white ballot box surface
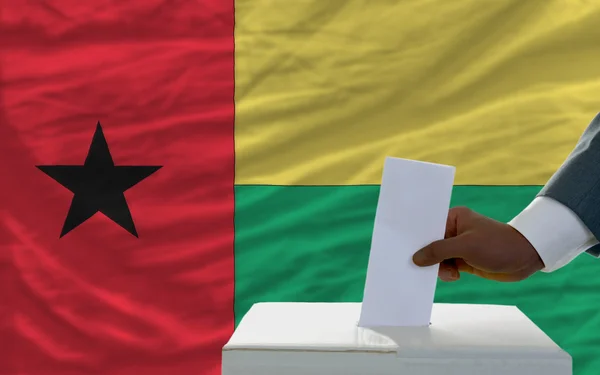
x=325, y=339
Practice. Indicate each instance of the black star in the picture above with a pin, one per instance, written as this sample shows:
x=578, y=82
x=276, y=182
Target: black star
x=98, y=185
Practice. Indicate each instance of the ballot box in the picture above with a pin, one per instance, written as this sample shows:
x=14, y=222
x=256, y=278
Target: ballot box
x=325, y=339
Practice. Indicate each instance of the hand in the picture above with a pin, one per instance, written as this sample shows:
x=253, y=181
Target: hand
x=481, y=246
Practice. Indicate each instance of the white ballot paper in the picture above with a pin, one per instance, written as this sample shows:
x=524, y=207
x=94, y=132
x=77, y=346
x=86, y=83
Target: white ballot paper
x=411, y=212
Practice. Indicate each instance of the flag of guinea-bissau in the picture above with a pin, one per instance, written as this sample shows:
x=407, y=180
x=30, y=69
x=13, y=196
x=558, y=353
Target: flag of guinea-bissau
x=165, y=164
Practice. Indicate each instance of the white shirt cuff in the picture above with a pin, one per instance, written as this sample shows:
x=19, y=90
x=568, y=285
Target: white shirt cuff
x=556, y=232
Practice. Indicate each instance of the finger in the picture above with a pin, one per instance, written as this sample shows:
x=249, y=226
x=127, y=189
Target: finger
x=438, y=251
x=502, y=277
x=451, y=227
x=463, y=266
x=455, y=214
x=448, y=272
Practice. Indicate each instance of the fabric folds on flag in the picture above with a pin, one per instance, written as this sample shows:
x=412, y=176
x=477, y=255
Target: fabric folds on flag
x=270, y=121
x=158, y=76
x=326, y=89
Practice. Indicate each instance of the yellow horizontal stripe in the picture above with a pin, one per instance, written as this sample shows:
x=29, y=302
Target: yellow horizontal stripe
x=325, y=89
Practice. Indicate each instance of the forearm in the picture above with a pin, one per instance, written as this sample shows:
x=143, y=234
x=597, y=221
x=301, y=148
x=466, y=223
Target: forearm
x=564, y=220
x=556, y=232
x=577, y=182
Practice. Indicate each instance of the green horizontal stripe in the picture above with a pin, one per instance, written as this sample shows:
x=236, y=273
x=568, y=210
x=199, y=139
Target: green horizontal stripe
x=311, y=243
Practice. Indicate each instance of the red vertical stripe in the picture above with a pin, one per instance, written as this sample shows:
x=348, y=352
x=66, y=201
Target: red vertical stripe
x=158, y=75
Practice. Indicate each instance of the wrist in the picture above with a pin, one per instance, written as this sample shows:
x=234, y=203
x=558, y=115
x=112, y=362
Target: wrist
x=554, y=231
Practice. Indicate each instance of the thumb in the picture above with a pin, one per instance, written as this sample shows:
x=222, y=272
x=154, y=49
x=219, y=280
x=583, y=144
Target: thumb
x=438, y=251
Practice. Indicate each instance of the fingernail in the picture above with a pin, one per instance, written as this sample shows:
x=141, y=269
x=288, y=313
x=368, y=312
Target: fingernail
x=454, y=274
x=445, y=273
x=448, y=274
